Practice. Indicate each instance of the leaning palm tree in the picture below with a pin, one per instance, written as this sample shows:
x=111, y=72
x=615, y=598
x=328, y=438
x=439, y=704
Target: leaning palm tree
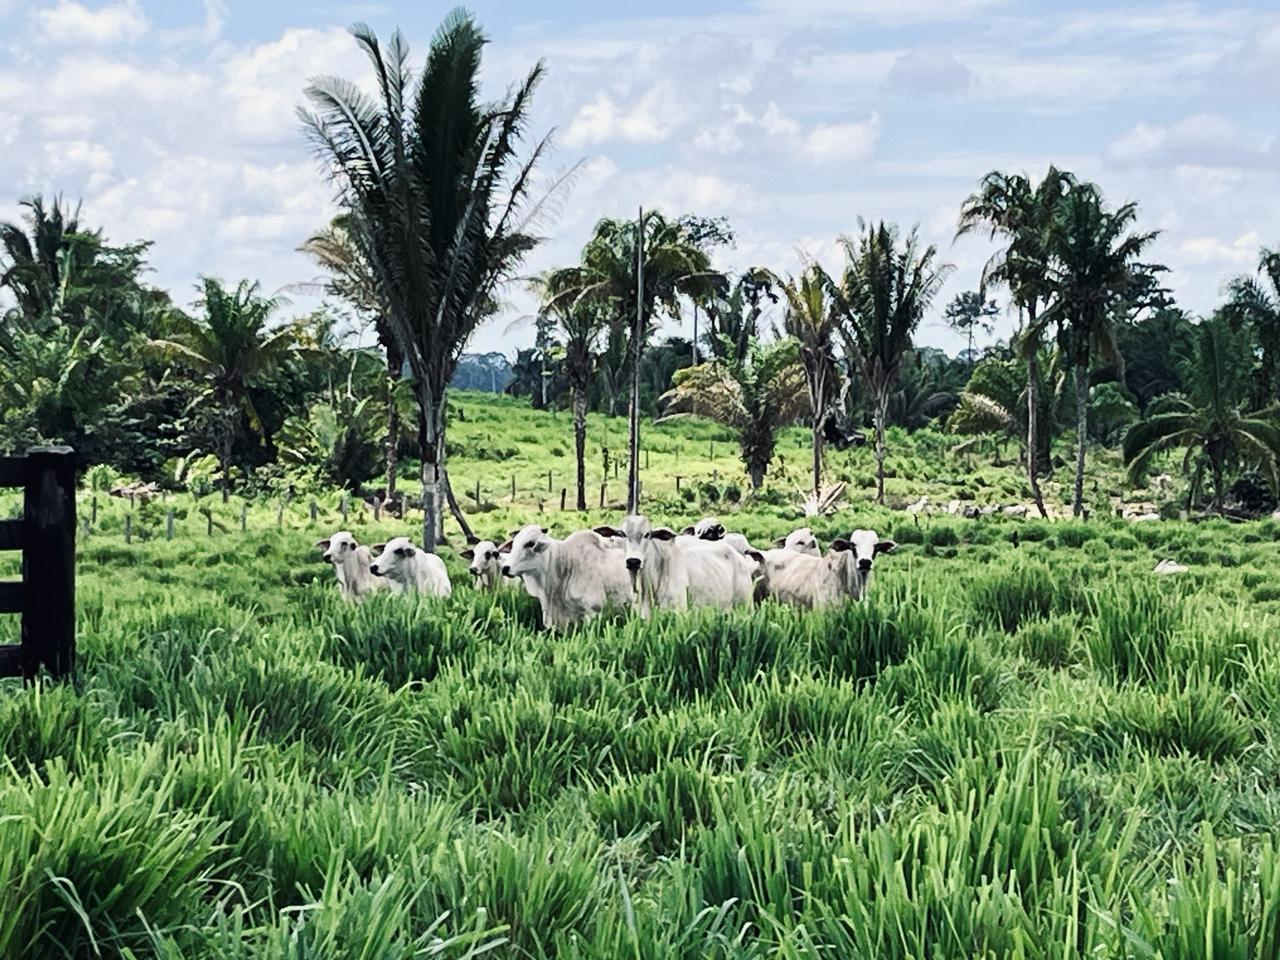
x=1256, y=303
x=581, y=325
x=438, y=197
x=756, y=395
x=1011, y=207
x=810, y=319
x=887, y=285
x=1092, y=262
x=335, y=251
x=608, y=277
x=230, y=347
x=1209, y=422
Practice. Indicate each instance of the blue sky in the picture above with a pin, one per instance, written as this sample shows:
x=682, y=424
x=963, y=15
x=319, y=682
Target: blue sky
x=174, y=121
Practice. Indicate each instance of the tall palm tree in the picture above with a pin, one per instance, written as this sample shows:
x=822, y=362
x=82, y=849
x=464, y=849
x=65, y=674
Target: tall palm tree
x=230, y=347
x=756, y=395
x=1255, y=303
x=1091, y=267
x=887, y=284
x=439, y=200
x=581, y=325
x=35, y=262
x=335, y=251
x=810, y=318
x=1209, y=422
x=1009, y=206
x=675, y=264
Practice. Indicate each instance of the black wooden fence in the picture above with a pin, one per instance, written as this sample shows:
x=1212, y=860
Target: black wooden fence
x=46, y=535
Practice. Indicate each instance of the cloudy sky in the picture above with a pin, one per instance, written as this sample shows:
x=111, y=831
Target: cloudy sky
x=174, y=121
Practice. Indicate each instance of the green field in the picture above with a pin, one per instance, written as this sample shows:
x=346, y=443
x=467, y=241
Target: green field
x=1024, y=745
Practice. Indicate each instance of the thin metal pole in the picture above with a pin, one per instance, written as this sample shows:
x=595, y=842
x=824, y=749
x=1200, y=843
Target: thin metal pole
x=633, y=467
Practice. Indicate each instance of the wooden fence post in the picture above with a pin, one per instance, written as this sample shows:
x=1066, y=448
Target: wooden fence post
x=93, y=522
x=49, y=562
x=678, y=479
x=377, y=509
x=602, y=486
x=208, y=522
x=564, y=492
x=477, y=494
x=550, y=488
x=646, y=458
x=344, y=508
x=244, y=518
x=128, y=528
x=313, y=510
x=513, y=488
x=168, y=524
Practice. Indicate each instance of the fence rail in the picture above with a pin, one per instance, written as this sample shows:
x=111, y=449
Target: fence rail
x=45, y=597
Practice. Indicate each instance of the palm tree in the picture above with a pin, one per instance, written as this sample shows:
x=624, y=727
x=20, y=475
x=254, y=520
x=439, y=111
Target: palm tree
x=810, y=318
x=230, y=347
x=755, y=395
x=1257, y=304
x=1091, y=267
x=1009, y=206
x=581, y=325
x=439, y=204
x=1209, y=422
x=883, y=293
x=608, y=276
x=335, y=251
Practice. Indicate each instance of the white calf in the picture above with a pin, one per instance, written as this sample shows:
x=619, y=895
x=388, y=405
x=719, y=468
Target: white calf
x=409, y=569
x=486, y=565
x=351, y=563
x=572, y=579
x=813, y=582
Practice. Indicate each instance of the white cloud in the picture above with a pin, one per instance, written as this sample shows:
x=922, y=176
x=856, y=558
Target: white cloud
x=923, y=73
x=602, y=120
x=1241, y=252
x=1202, y=140
x=73, y=23
x=843, y=142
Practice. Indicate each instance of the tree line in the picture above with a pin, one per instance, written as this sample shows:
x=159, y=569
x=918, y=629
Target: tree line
x=441, y=200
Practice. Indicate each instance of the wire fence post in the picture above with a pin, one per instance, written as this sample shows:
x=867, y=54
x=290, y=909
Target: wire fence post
x=128, y=528
x=168, y=524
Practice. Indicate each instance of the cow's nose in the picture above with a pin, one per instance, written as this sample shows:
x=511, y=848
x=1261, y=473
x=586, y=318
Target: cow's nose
x=506, y=570
x=633, y=563
x=375, y=571
x=328, y=558
x=864, y=566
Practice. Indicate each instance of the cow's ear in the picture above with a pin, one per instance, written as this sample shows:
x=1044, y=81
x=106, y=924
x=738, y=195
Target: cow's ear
x=886, y=546
x=468, y=554
x=378, y=548
x=780, y=542
x=663, y=533
x=687, y=532
x=607, y=531
x=472, y=541
x=505, y=547
x=543, y=531
x=755, y=555
x=322, y=544
x=841, y=544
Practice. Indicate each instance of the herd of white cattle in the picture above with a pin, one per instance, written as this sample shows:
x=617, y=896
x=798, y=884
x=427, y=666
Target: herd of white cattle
x=636, y=565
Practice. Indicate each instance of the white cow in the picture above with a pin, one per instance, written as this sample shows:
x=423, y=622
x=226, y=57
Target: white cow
x=410, y=570
x=1169, y=566
x=572, y=579
x=673, y=571
x=486, y=564
x=709, y=528
x=799, y=541
x=813, y=582
x=351, y=563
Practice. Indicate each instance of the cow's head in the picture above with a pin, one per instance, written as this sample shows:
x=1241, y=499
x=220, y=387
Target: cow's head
x=336, y=548
x=391, y=556
x=528, y=551
x=865, y=545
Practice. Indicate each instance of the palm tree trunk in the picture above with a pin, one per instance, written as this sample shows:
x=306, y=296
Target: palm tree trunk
x=1033, y=416
x=580, y=441
x=229, y=412
x=817, y=454
x=429, y=445
x=1082, y=430
x=882, y=413
x=393, y=422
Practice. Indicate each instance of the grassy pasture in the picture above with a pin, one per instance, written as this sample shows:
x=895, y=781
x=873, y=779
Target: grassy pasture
x=1024, y=745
